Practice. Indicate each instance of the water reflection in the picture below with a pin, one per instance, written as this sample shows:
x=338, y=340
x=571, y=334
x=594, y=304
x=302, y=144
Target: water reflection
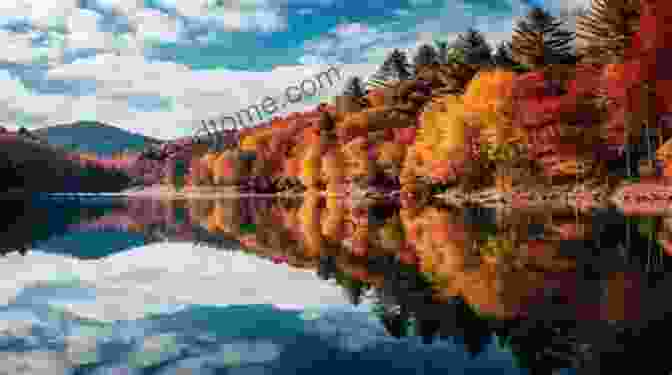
x=512, y=289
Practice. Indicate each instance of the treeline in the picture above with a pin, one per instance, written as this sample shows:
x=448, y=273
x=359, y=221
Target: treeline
x=33, y=167
x=536, y=110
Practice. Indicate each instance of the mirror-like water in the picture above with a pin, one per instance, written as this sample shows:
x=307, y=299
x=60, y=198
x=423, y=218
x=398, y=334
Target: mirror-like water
x=256, y=286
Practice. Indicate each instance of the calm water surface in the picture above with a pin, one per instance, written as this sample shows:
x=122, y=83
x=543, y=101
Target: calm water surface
x=260, y=286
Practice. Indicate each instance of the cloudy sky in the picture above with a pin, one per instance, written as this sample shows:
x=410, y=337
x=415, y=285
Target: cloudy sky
x=141, y=308
x=158, y=67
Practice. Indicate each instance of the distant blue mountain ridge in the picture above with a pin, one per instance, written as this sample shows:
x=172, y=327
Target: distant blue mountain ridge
x=94, y=137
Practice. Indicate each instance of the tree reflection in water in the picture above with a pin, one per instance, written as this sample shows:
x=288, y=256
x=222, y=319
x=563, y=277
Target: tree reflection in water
x=551, y=287
x=540, y=283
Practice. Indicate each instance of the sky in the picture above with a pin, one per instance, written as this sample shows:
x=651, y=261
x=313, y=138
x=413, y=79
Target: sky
x=160, y=67
x=141, y=308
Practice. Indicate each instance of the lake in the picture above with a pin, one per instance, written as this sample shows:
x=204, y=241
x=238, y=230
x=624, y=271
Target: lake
x=113, y=285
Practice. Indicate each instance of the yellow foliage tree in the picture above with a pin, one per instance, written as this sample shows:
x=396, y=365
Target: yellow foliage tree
x=220, y=216
x=409, y=170
x=391, y=153
x=311, y=166
x=309, y=219
x=334, y=218
x=360, y=240
x=209, y=159
x=487, y=104
x=489, y=91
x=442, y=129
x=356, y=156
x=212, y=221
x=251, y=142
x=333, y=166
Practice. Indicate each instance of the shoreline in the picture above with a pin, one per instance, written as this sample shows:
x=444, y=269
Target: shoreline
x=641, y=198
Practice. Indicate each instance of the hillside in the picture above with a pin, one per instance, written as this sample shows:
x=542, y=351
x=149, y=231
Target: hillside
x=94, y=137
x=31, y=166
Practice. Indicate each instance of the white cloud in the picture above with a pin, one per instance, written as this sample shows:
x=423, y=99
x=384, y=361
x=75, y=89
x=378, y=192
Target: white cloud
x=14, y=8
x=241, y=15
x=193, y=8
x=247, y=19
x=35, y=363
x=152, y=24
x=16, y=48
x=82, y=20
x=353, y=28
x=125, y=7
x=83, y=33
x=41, y=13
x=15, y=96
x=196, y=95
x=126, y=284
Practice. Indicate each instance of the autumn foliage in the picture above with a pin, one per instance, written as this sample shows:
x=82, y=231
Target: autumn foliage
x=560, y=115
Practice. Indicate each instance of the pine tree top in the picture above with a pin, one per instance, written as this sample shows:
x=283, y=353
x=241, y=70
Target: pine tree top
x=355, y=87
x=442, y=51
x=504, y=56
x=395, y=66
x=475, y=48
x=399, y=62
x=471, y=38
x=426, y=55
x=539, y=39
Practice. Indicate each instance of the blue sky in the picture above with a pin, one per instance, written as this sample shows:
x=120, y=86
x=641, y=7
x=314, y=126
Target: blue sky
x=158, y=67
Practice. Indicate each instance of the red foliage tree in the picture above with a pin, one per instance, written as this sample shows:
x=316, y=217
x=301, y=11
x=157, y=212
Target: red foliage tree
x=542, y=106
x=405, y=136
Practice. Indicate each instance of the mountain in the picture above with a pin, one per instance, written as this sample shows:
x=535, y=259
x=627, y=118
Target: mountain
x=94, y=137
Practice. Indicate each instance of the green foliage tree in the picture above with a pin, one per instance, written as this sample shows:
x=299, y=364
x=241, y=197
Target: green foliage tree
x=538, y=40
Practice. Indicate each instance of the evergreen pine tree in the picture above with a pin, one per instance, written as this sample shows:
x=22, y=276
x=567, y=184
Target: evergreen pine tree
x=355, y=87
x=425, y=56
x=476, y=49
x=400, y=64
x=428, y=329
x=538, y=40
x=395, y=325
x=607, y=28
x=326, y=123
x=327, y=267
x=503, y=56
x=395, y=66
x=354, y=292
x=442, y=51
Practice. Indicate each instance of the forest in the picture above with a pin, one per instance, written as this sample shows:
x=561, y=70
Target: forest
x=30, y=166
x=549, y=112
x=550, y=108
